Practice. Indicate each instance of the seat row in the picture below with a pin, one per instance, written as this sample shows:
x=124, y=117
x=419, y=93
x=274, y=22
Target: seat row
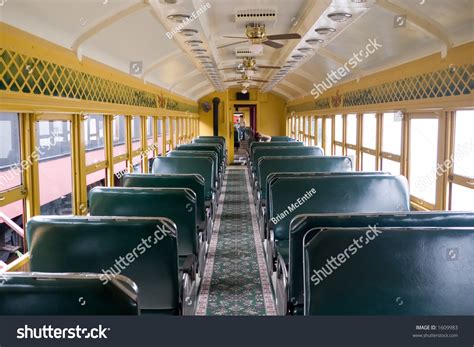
x=313, y=207
x=141, y=250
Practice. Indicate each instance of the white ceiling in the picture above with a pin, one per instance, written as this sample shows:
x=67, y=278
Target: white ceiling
x=118, y=32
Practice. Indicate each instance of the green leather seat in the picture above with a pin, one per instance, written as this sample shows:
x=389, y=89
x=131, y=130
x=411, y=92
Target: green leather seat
x=37, y=293
x=143, y=249
x=277, y=164
x=282, y=138
x=404, y=271
x=195, y=182
x=307, y=226
x=188, y=165
x=176, y=204
x=192, y=153
x=216, y=147
x=254, y=145
x=283, y=151
x=348, y=192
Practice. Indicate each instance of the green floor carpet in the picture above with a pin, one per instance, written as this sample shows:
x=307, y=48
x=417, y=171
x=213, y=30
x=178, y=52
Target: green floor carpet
x=232, y=283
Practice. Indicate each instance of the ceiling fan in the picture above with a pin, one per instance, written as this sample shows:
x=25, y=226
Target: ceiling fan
x=257, y=35
x=250, y=64
x=245, y=79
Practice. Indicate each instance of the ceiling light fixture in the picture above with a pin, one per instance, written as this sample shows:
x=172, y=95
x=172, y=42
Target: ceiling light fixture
x=188, y=32
x=178, y=17
x=305, y=49
x=339, y=16
x=324, y=30
x=314, y=42
x=193, y=43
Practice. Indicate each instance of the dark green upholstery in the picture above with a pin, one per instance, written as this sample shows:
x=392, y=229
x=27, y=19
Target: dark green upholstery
x=275, y=176
x=404, y=271
x=283, y=151
x=195, y=182
x=310, y=225
x=210, y=140
x=26, y=293
x=176, y=204
x=345, y=192
x=211, y=154
x=281, y=139
x=255, y=145
x=270, y=165
x=216, y=147
x=103, y=245
x=188, y=165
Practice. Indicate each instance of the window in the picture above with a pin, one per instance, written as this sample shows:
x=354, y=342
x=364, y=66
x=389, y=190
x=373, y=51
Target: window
x=118, y=130
x=461, y=181
x=136, y=133
x=55, y=167
x=149, y=131
x=10, y=157
x=94, y=139
x=423, y=158
x=339, y=134
x=390, y=166
x=392, y=133
x=369, y=138
x=351, y=129
x=328, y=136
x=369, y=142
x=11, y=241
x=319, y=134
x=464, y=144
x=369, y=162
x=338, y=128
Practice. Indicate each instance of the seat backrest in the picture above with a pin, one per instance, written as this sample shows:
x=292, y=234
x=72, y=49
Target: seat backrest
x=281, y=139
x=401, y=271
x=31, y=294
x=256, y=144
x=210, y=140
x=213, y=155
x=284, y=151
x=333, y=192
x=188, y=165
x=271, y=165
x=143, y=249
x=195, y=182
x=217, y=147
x=307, y=226
x=176, y=204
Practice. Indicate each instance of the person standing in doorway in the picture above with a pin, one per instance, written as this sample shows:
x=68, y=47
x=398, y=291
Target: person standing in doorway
x=242, y=127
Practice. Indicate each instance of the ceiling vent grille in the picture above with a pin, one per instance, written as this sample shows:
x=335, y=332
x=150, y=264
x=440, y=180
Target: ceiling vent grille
x=260, y=15
x=246, y=52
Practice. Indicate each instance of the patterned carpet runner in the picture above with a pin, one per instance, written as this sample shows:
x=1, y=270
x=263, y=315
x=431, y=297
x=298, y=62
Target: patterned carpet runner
x=235, y=281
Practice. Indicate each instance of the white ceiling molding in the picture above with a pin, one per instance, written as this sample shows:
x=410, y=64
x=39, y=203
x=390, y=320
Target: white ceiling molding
x=105, y=23
x=327, y=53
x=302, y=73
x=427, y=25
x=197, y=86
x=278, y=90
x=295, y=87
x=204, y=93
x=156, y=64
x=185, y=77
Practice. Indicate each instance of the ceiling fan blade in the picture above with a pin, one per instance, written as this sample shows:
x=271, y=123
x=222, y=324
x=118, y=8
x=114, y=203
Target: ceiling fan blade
x=235, y=37
x=268, y=67
x=272, y=44
x=231, y=44
x=293, y=36
x=254, y=80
